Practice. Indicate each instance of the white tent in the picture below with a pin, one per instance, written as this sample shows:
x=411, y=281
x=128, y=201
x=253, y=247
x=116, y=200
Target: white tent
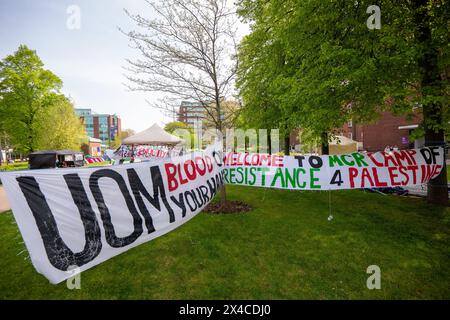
x=154, y=135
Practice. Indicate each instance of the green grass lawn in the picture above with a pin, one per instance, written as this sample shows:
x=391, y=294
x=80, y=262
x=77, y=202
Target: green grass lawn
x=284, y=249
x=14, y=166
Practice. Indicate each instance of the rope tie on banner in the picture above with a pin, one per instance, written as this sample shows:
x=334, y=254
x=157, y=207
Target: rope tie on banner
x=330, y=216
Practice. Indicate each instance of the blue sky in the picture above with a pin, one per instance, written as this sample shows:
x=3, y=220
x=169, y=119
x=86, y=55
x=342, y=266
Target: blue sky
x=89, y=60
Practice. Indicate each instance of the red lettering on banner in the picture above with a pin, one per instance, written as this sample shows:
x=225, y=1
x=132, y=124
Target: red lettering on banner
x=403, y=171
x=192, y=173
x=187, y=171
x=414, y=169
x=171, y=171
x=352, y=173
x=401, y=156
x=378, y=183
x=392, y=176
x=375, y=161
x=388, y=157
x=366, y=175
x=182, y=180
x=201, y=170
x=209, y=164
x=412, y=153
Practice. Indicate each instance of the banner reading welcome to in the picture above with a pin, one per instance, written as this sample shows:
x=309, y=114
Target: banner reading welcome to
x=332, y=172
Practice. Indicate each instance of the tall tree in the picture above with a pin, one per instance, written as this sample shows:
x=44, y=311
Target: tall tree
x=26, y=91
x=187, y=54
x=339, y=69
x=127, y=133
x=60, y=127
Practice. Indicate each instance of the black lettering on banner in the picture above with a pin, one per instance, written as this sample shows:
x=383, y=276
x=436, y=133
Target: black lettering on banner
x=212, y=187
x=198, y=200
x=139, y=189
x=111, y=238
x=429, y=154
x=337, y=178
x=315, y=162
x=180, y=203
x=300, y=160
x=58, y=253
x=192, y=194
x=204, y=191
x=218, y=158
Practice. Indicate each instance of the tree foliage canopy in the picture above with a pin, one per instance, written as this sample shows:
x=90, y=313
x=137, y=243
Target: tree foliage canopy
x=317, y=62
x=33, y=112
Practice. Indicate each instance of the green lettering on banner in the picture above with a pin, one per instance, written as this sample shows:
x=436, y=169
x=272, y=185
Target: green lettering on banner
x=278, y=174
x=359, y=158
x=263, y=175
x=313, y=179
x=252, y=173
x=225, y=175
x=231, y=173
x=349, y=163
x=298, y=171
x=240, y=171
x=335, y=159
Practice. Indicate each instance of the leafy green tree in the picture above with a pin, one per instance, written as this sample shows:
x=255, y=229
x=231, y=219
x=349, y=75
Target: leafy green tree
x=333, y=68
x=176, y=127
x=60, y=127
x=127, y=133
x=26, y=91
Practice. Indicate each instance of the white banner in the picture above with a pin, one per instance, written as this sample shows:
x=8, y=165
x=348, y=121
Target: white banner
x=78, y=218
x=333, y=172
x=81, y=217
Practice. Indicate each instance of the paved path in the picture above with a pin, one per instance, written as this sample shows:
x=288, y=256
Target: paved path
x=4, y=204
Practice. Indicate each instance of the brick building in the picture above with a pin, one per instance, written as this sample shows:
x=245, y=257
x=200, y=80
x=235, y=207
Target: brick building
x=388, y=130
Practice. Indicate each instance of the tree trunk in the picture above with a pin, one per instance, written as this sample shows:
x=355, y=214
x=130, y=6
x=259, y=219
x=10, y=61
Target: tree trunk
x=432, y=112
x=325, y=147
x=437, y=191
x=286, y=144
x=269, y=143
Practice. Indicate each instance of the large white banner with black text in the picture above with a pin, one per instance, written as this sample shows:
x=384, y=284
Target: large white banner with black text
x=78, y=218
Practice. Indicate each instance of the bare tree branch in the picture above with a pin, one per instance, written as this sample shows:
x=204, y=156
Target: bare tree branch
x=188, y=53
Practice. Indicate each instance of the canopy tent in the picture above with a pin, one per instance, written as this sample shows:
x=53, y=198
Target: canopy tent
x=341, y=145
x=154, y=135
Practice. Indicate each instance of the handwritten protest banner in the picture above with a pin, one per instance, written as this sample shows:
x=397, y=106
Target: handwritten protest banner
x=78, y=218
x=332, y=172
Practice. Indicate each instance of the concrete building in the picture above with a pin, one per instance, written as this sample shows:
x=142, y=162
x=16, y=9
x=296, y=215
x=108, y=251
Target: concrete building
x=100, y=126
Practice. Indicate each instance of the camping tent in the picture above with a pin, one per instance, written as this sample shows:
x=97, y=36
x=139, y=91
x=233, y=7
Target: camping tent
x=341, y=145
x=154, y=135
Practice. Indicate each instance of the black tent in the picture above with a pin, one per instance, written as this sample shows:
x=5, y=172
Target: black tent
x=55, y=159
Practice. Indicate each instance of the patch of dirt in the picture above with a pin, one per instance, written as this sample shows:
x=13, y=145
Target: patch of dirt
x=228, y=208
